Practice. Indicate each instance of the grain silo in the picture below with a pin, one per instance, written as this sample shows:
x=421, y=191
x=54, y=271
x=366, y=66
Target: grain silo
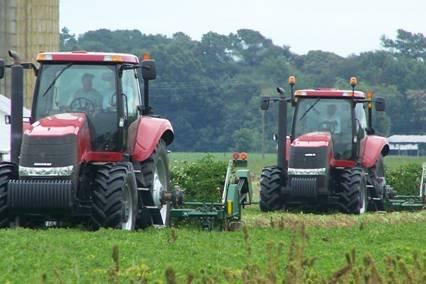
x=27, y=26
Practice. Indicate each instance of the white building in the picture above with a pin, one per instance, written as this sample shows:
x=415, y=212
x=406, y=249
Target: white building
x=4, y=128
x=413, y=145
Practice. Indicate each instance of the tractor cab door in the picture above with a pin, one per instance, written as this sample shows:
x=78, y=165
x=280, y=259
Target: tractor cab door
x=131, y=98
x=360, y=128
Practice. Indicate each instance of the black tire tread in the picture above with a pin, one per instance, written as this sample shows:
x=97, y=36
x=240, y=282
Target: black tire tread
x=108, y=184
x=349, y=195
x=270, y=189
x=7, y=172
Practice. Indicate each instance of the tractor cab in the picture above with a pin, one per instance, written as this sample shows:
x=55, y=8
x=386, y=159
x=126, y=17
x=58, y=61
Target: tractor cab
x=106, y=91
x=335, y=112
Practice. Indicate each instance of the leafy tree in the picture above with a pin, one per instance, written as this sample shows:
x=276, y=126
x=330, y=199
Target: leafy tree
x=67, y=41
x=407, y=43
x=210, y=88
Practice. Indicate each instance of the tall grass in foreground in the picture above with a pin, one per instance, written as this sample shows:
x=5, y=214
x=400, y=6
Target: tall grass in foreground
x=291, y=265
x=272, y=248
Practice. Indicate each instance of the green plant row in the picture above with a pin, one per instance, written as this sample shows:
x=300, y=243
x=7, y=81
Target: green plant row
x=201, y=180
x=405, y=178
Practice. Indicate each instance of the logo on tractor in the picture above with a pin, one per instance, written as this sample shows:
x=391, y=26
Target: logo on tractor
x=310, y=155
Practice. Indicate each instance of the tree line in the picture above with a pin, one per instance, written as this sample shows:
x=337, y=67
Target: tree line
x=210, y=89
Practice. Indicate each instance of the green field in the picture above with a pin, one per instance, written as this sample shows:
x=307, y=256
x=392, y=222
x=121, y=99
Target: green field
x=75, y=256
x=273, y=247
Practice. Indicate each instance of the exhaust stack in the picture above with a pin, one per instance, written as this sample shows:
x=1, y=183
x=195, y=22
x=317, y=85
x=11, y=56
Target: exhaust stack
x=17, y=103
x=282, y=136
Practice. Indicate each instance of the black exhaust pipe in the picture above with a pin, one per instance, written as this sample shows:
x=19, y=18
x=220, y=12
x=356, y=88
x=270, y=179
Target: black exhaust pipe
x=17, y=104
x=282, y=136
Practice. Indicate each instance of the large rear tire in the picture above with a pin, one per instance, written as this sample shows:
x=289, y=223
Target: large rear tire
x=270, y=189
x=7, y=172
x=115, y=197
x=376, y=180
x=156, y=177
x=352, y=198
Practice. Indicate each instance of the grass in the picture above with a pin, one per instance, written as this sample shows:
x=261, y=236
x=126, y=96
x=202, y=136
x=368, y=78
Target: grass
x=273, y=247
x=71, y=255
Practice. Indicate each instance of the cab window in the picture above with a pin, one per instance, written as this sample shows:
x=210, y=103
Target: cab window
x=131, y=93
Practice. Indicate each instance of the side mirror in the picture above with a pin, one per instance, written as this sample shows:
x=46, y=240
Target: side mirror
x=1, y=68
x=379, y=104
x=148, y=69
x=264, y=104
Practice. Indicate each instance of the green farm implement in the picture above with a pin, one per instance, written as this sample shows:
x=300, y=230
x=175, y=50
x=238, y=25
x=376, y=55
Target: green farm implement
x=226, y=213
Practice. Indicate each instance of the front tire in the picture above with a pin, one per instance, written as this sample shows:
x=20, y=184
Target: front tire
x=352, y=198
x=270, y=189
x=115, y=197
x=7, y=172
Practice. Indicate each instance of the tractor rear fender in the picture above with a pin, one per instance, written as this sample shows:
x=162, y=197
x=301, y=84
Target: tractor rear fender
x=372, y=147
x=144, y=135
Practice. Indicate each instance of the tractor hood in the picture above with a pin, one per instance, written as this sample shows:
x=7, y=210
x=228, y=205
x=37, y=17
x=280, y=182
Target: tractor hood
x=313, y=139
x=58, y=125
x=310, y=154
x=55, y=141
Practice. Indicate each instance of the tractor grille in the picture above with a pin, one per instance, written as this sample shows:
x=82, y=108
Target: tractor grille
x=39, y=195
x=308, y=157
x=55, y=151
x=303, y=187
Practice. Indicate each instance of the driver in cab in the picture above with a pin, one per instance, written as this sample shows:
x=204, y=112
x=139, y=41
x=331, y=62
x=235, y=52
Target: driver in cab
x=87, y=95
x=332, y=121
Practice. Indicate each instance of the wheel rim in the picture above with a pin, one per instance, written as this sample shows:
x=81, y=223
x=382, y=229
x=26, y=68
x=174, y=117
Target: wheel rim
x=363, y=198
x=160, y=186
x=127, y=209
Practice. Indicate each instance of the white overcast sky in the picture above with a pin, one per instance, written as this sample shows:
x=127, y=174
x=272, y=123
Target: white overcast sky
x=340, y=26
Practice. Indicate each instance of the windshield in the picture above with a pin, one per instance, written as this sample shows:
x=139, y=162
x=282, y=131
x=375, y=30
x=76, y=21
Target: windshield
x=91, y=89
x=75, y=88
x=324, y=114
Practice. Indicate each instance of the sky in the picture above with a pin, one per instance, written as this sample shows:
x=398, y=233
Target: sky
x=339, y=26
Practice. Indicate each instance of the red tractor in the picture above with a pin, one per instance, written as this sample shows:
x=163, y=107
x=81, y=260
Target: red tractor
x=91, y=152
x=331, y=159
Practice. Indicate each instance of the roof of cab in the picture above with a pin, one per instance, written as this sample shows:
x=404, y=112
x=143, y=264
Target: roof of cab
x=84, y=56
x=333, y=93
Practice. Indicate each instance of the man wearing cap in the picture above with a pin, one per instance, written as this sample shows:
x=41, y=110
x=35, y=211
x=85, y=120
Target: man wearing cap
x=332, y=121
x=88, y=92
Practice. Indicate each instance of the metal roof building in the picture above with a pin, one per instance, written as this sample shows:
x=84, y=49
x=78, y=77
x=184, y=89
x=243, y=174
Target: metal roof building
x=407, y=144
x=4, y=128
